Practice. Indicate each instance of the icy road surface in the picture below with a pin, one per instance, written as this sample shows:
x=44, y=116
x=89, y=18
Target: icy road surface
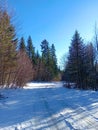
x=48, y=106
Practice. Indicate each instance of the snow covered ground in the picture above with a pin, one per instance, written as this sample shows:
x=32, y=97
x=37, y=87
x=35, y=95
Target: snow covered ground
x=48, y=106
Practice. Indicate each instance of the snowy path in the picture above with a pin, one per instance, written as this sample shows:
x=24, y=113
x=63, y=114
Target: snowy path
x=48, y=106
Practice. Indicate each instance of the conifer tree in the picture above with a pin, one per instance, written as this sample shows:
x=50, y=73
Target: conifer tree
x=22, y=44
x=30, y=48
x=46, y=59
x=45, y=49
x=49, y=60
x=8, y=43
x=90, y=69
x=74, y=68
x=54, y=60
x=38, y=74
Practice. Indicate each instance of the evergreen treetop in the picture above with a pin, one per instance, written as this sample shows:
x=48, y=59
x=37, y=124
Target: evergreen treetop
x=22, y=44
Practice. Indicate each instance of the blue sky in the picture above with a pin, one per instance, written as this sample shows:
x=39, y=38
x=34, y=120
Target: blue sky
x=55, y=20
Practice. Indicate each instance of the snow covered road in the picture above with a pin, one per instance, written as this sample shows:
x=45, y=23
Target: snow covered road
x=48, y=106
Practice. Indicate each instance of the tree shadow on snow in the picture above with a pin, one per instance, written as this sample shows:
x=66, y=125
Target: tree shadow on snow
x=46, y=107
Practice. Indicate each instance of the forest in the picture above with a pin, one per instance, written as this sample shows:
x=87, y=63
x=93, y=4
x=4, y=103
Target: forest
x=21, y=62
x=82, y=63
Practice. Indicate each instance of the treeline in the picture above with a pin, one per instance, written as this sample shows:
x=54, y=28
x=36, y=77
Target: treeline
x=20, y=63
x=45, y=64
x=81, y=66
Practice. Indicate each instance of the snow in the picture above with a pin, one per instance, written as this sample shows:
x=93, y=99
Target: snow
x=48, y=106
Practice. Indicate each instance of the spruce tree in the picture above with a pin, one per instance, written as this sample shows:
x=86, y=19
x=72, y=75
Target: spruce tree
x=54, y=60
x=8, y=43
x=46, y=59
x=90, y=69
x=74, y=68
x=30, y=49
x=45, y=49
x=22, y=44
x=38, y=67
x=49, y=60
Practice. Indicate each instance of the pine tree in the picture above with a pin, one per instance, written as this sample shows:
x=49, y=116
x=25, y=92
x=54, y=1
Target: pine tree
x=74, y=68
x=38, y=67
x=37, y=55
x=45, y=49
x=30, y=49
x=46, y=60
x=54, y=60
x=90, y=69
x=22, y=44
x=49, y=61
x=8, y=43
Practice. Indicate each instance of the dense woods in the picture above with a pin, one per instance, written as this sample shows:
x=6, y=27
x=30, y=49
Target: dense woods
x=82, y=64
x=44, y=67
x=21, y=62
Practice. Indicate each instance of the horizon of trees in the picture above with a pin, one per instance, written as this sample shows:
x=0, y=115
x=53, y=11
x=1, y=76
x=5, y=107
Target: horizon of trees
x=45, y=66
x=21, y=63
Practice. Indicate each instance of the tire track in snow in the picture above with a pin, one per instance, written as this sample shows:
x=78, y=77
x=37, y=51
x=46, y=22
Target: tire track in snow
x=71, y=116
x=54, y=119
x=37, y=125
x=67, y=122
x=82, y=116
x=50, y=113
x=88, y=123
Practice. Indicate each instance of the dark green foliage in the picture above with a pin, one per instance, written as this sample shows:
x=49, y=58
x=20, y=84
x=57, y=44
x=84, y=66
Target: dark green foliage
x=30, y=50
x=90, y=71
x=22, y=64
x=45, y=50
x=46, y=60
x=74, y=66
x=22, y=44
x=54, y=61
x=49, y=61
x=8, y=43
x=15, y=65
x=80, y=66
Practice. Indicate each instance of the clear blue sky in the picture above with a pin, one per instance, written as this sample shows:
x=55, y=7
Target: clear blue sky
x=55, y=20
